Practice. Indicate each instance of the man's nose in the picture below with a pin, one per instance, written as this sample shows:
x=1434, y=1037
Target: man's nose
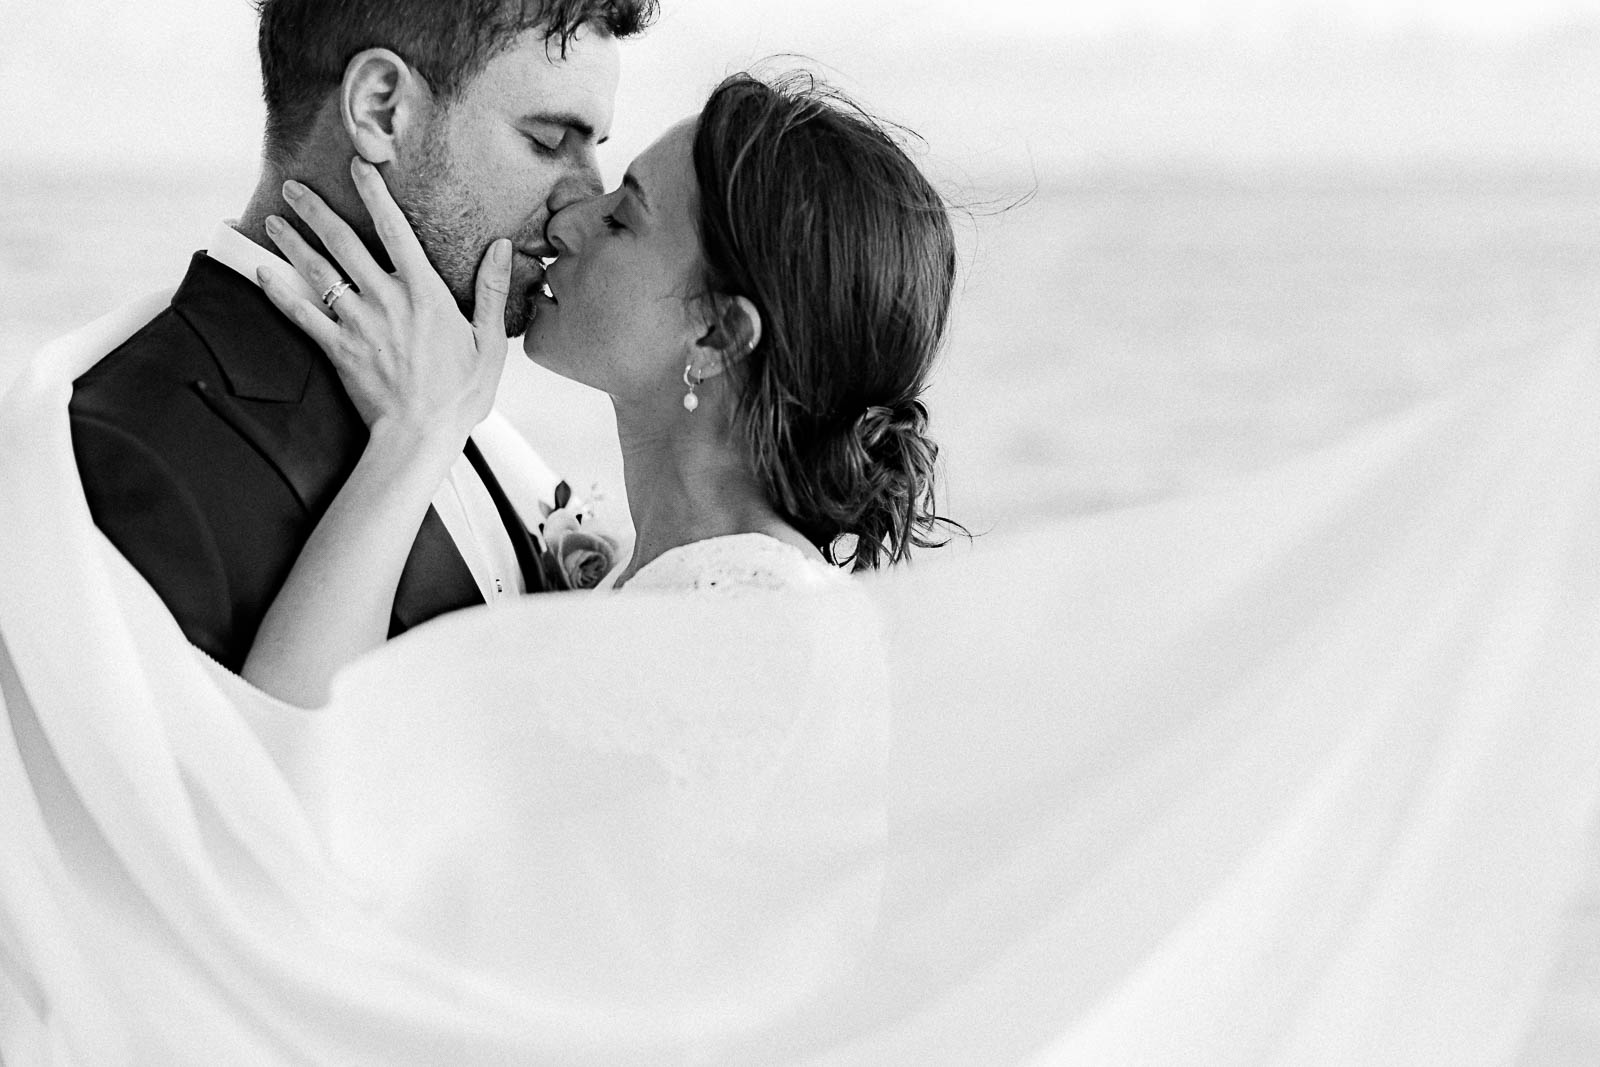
x=564, y=230
x=579, y=183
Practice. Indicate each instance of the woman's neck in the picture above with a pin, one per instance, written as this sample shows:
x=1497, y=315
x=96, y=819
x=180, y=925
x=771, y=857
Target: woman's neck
x=687, y=485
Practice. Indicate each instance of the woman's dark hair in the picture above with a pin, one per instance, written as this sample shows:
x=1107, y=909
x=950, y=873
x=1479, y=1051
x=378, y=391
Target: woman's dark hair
x=305, y=45
x=810, y=209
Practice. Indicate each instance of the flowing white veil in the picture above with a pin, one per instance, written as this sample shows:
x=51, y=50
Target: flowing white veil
x=1303, y=771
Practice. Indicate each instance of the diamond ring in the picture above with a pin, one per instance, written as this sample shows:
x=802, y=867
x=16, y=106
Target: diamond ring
x=334, y=292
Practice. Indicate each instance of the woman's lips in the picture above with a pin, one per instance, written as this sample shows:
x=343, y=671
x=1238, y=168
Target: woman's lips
x=540, y=265
x=532, y=269
x=544, y=291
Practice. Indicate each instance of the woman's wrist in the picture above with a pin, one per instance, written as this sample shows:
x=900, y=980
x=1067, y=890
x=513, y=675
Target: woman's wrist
x=408, y=435
x=399, y=445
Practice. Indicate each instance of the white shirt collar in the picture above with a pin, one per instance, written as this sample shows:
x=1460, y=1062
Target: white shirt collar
x=237, y=252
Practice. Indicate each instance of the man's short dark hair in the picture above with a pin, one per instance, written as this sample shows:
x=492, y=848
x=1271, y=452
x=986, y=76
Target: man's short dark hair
x=305, y=45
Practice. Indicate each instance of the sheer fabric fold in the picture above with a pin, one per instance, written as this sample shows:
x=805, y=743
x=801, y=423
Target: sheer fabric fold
x=1298, y=771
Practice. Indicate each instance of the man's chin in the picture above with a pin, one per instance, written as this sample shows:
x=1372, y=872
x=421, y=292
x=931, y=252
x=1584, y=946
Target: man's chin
x=519, y=315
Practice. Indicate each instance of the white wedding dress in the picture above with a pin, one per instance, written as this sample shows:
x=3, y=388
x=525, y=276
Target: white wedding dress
x=733, y=565
x=1301, y=771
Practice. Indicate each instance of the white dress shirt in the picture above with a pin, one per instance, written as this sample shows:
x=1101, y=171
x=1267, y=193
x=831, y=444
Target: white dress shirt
x=462, y=501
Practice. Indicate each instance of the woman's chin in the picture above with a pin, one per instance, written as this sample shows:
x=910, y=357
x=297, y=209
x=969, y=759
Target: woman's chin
x=541, y=347
x=535, y=346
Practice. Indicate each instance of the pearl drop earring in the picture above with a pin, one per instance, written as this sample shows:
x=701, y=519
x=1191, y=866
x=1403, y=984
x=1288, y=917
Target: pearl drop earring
x=690, y=401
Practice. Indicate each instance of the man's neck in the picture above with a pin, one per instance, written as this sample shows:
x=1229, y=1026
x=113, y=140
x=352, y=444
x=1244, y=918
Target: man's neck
x=267, y=199
x=329, y=180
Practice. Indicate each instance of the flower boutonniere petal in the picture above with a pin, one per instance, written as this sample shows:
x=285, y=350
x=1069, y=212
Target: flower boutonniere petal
x=574, y=554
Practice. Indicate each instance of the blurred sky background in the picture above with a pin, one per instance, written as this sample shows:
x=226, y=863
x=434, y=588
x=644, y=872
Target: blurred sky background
x=1253, y=226
x=111, y=83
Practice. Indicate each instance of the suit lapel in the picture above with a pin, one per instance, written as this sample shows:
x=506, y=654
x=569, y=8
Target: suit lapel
x=277, y=391
x=312, y=445
x=280, y=394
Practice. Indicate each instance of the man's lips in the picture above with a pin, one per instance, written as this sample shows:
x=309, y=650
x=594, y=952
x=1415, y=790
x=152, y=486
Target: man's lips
x=545, y=293
x=537, y=263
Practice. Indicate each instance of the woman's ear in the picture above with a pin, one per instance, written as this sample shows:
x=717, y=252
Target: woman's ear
x=732, y=332
x=380, y=100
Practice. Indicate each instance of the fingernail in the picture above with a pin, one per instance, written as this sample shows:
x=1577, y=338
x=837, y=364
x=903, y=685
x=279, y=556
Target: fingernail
x=274, y=225
x=500, y=252
x=359, y=165
x=293, y=190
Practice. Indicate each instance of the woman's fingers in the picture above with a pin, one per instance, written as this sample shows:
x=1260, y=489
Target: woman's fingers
x=405, y=251
x=312, y=318
x=336, y=236
x=489, y=304
x=489, y=318
x=403, y=350
x=319, y=274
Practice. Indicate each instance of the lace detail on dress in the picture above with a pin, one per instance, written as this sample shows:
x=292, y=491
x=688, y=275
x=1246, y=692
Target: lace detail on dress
x=732, y=564
x=719, y=756
x=723, y=749
x=715, y=751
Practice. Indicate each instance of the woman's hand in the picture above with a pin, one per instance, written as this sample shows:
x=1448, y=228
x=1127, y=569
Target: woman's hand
x=412, y=364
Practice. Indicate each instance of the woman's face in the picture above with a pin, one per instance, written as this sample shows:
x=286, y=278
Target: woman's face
x=622, y=314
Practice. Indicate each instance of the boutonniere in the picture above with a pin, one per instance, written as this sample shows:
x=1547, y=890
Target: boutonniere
x=572, y=553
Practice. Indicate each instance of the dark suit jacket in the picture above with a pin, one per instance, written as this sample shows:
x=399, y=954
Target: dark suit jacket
x=211, y=442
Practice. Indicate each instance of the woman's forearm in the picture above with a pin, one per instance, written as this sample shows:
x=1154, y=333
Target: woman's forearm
x=337, y=600
x=421, y=376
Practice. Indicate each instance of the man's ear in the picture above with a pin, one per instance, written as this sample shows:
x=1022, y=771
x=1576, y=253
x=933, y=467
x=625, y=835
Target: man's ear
x=733, y=330
x=380, y=100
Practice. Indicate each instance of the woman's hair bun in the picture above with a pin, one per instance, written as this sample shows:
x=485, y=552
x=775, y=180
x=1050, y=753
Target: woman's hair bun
x=879, y=426
x=879, y=479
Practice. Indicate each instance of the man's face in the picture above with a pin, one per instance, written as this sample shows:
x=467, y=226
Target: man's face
x=514, y=146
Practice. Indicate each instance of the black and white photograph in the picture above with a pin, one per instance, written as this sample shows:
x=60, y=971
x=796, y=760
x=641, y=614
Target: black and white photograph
x=749, y=534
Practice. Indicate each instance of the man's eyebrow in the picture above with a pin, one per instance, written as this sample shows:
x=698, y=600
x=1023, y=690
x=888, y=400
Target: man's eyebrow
x=567, y=119
x=638, y=190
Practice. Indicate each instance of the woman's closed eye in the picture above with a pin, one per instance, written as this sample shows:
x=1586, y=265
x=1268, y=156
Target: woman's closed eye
x=612, y=223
